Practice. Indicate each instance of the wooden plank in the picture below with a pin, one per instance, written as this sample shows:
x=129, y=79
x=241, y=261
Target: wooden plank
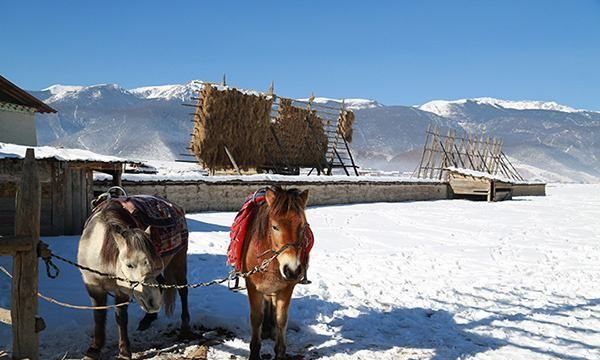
x=77, y=202
x=68, y=230
x=89, y=177
x=9, y=245
x=58, y=199
x=25, y=264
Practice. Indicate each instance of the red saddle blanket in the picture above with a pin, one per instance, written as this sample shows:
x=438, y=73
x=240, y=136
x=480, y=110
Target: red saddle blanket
x=240, y=225
x=168, y=226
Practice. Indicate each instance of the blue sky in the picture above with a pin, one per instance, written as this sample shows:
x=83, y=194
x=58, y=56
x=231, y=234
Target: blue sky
x=398, y=52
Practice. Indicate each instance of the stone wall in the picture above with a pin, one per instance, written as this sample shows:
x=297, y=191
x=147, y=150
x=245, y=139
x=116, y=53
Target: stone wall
x=229, y=195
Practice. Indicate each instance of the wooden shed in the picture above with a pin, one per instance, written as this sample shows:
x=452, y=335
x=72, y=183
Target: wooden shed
x=477, y=185
x=66, y=177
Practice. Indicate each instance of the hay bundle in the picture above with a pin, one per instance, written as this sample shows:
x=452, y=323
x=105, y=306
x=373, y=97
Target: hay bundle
x=345, y=123
x=234, y=119
x=302, y=139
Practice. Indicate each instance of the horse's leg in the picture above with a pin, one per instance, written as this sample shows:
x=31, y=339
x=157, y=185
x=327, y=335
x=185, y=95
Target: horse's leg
x=122, y=320
x=256, y=317
x=180, y=266
x=282, y=304
x=268, y=324
x=98, y=297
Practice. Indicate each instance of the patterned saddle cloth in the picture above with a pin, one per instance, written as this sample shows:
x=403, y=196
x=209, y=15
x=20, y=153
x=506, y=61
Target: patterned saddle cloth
x=168, y=226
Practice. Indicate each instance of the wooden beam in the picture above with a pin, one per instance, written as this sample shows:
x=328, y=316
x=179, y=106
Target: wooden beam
x=10, y=245
x=25, y=264
x=232, y=160
x=117, y=175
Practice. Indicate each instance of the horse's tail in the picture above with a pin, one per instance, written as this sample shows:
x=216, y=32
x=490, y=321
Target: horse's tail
x=268, y=324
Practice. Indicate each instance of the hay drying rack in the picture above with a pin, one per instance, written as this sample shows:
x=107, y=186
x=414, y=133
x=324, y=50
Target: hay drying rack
x=337, y=155
x=465, y=151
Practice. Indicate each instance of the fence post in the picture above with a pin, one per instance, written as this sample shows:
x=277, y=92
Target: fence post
x=25, y=264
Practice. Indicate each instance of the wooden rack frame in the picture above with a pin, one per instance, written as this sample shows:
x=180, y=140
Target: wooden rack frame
x=468, y=151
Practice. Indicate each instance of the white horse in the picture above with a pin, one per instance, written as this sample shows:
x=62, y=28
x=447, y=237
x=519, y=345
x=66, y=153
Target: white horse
x=113, y=242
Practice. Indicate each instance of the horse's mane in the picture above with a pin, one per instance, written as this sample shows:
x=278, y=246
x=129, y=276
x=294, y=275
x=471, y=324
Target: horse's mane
x=286, y=201
x=118, y=219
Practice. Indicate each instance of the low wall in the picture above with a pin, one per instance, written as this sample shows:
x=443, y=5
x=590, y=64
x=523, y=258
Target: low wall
x=532, y=189
x=197, y=196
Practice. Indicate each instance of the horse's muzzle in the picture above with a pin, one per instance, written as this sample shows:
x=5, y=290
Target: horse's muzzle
x=291, y=275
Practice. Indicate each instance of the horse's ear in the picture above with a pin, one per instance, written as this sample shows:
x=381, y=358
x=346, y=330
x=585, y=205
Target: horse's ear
x=304, y=198
x=270, y=197
x=147, y=231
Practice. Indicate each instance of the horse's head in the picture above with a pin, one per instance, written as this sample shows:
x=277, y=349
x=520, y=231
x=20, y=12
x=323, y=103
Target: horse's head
x=286, y=224
x=139, y=261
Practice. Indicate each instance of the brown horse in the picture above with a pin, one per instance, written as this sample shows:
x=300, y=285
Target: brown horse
x=113, y=242
x=279, y=222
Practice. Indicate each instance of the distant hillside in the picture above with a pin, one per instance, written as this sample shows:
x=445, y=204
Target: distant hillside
x=548, y=140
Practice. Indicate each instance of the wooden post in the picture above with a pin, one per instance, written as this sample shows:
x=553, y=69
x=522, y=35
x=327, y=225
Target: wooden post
x=232, y=160
x=117, y=175
x=491, y=191
x=425, y=148
x=25, y=264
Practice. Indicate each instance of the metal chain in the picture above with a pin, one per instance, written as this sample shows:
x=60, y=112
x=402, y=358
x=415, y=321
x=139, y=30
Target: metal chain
x=67, y=305
x=262, y=267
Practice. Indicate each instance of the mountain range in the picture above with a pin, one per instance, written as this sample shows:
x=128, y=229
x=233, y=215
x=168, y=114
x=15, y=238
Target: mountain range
x=547, y=141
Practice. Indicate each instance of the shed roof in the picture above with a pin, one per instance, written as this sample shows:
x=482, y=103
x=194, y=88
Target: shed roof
x=13, y=151
x=11, y=93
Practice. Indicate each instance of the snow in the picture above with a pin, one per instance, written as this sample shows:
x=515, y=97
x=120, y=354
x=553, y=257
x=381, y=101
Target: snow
x=351, y=104
x=201, y=176
x=61, y=90
x=446, y=107
x=168, y=92
x=8, y=150
x=484, y=175
x=417, y=280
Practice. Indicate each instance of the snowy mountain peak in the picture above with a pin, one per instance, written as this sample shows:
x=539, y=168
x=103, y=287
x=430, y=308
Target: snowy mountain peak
x=351, y=104
x=61, y=89
x=168, y=92
x=449, y=107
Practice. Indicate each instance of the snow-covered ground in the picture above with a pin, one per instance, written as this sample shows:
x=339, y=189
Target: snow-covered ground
x=418, y=280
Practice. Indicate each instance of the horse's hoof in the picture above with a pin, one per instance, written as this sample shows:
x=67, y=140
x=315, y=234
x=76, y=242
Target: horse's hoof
x=92, y=354
x=124, y=356
x=146, y=322
x=185, y=333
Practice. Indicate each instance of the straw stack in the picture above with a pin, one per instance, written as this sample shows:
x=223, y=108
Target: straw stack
x=345, y=123
x=234, y=119
x=301, y=137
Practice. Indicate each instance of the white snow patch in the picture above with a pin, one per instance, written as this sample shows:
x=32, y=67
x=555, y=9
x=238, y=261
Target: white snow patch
x=447, y=107
x=450, y=279
x=14, y=151
x=168, y=92
x=352, y=104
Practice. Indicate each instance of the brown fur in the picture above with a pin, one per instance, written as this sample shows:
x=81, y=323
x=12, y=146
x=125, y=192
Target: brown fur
x=269, y=293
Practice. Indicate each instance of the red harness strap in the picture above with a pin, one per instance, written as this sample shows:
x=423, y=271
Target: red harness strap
x=240, y=226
